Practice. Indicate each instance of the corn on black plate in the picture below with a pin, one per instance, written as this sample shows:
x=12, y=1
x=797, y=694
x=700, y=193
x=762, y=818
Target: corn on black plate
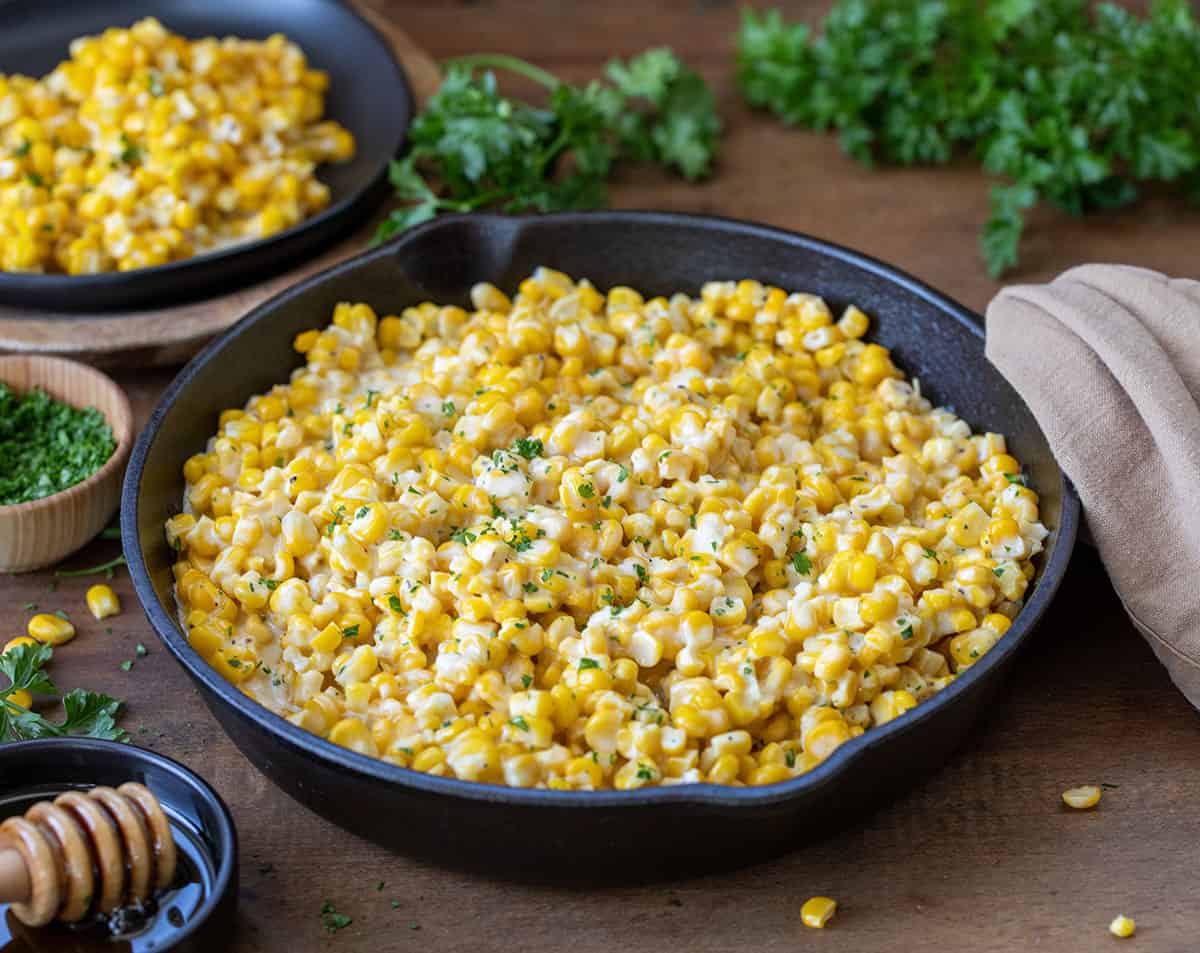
x=368, y=94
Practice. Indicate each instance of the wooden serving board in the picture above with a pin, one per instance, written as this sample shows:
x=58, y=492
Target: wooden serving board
x=171, y=335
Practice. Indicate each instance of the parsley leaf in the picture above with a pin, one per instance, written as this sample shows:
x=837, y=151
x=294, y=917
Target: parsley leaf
x=801, y=563
x=89, y=714
x=1051, y=97
x=473, y=148
x=528, y=447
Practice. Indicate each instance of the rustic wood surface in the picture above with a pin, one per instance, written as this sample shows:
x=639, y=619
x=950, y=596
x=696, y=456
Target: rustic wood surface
x=980, y=857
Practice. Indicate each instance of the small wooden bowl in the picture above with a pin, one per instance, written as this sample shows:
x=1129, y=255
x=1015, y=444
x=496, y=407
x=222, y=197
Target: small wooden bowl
x=41, y=532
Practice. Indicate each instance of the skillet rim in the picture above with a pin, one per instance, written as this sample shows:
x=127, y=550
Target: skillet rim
x=701, y=794
x=19, y=290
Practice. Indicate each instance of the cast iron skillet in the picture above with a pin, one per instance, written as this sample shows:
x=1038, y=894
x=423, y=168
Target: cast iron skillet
x=368, y=94
x=591, y=835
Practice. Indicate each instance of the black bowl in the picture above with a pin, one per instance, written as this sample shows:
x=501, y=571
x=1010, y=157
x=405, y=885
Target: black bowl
x=368, y=94
x=31, y=771
x=564, y=834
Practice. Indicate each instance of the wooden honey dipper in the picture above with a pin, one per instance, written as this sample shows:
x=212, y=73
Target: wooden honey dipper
x=85, y=851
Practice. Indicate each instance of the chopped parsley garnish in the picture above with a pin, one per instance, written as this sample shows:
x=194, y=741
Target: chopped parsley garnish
x=461, y=535
x=130, y=151
x=586, y=490
x=526, y=681
x=586, y=663
x=395, y=604
x=645, y=772
x=350, y=632
x=520, y=541
x=48, y=446
x=622, y=473
x=641, y=572
x=519, y=722
x=529, y=586
x=801, y=563
x=528, y=447
x=906, y=631
x=331, y=920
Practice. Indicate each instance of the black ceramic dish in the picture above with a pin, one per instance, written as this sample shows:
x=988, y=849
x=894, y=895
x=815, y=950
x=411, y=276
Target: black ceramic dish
x=593, y=835
x=203, y=827
x=368, y=94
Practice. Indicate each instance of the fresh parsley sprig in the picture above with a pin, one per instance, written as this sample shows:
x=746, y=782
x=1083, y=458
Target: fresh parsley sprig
x=1070, y=105
x=473, y=148
x=90, y=714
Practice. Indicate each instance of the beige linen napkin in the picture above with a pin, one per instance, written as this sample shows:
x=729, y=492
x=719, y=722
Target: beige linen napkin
x=1108, y=359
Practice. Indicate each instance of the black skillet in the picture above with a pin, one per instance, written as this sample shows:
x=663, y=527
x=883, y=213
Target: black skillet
x=563, y=835
x=368, y=94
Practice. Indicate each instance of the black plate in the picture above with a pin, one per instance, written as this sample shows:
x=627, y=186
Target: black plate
x=368, y=94
x=204, y=832
x=564, y=834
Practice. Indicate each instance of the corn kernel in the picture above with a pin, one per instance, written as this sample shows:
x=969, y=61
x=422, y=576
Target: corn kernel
x=1082, y=798
x=102, y=602
x=817, y=911
x=1122, y=926
x=50, y=629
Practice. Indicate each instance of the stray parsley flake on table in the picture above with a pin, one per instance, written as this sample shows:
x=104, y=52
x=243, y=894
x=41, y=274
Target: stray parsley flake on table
x=473, y=148
x=47, y=446
x=1069, y=105
x=89, y=714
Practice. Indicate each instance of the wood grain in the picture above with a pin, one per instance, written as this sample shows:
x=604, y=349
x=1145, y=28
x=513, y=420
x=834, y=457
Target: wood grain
x=41, y=532
x=165, y=336
x=980, y=857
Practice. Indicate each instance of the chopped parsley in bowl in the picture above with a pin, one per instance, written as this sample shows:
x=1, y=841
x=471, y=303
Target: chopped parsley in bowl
x=48, y=446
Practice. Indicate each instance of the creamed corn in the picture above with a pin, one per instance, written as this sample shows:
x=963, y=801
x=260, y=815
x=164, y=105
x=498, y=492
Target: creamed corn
x=580, y=540
x=146, y=147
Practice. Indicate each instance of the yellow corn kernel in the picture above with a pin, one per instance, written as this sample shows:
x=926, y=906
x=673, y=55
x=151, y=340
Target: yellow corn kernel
x=817, y=911
x=18, y=642
x=352, y=733
x=19, y=697
x=102, y=602
x=891, y=704
x=1082, y=798
x=1122, y=926
x=50, y=629
x=825, y=737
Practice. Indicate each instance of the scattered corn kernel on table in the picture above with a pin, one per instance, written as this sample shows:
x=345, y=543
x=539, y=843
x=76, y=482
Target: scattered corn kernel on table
x=980, y=857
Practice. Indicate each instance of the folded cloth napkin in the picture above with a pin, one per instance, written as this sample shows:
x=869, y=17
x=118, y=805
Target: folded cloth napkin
x=1108, y=359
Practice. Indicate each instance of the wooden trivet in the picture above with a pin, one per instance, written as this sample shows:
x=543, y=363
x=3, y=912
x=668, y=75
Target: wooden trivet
x=166, y=336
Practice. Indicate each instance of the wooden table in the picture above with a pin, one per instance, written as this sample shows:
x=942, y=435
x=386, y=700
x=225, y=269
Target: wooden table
x=981, y=856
